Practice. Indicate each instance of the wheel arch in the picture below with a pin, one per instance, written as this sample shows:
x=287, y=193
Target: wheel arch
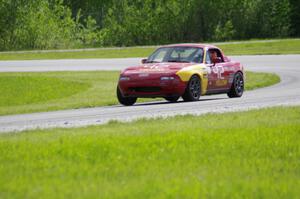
x=243, y=73
x=239, y=71
x=186, y=74
x=202, y=81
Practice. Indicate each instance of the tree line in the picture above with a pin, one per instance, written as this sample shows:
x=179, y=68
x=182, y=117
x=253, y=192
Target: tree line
x=53, y=24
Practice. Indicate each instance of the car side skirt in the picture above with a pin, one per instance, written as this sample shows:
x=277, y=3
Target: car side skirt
x=217, y=91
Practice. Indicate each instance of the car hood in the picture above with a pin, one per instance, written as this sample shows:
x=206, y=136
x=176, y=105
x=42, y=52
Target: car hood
x=166, y=67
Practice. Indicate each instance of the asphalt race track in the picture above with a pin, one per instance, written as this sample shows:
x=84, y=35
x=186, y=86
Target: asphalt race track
x=287, y=92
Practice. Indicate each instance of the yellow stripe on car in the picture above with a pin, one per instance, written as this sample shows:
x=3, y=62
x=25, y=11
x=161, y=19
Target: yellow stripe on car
x=185, y=75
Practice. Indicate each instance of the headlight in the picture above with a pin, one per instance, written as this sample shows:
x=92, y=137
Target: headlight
x=166, y=78
x=124, y=78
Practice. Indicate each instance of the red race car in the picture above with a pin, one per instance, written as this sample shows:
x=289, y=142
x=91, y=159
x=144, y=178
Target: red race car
x=181, y=70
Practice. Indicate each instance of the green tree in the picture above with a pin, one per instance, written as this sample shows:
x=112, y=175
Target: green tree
x=43, y=24
x=224, y=33
x=295, y=17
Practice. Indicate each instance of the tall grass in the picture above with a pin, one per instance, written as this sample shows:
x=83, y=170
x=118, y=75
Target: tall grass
x=234, y=155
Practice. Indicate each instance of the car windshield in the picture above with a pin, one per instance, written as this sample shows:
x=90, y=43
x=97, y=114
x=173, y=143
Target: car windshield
x=177, y=54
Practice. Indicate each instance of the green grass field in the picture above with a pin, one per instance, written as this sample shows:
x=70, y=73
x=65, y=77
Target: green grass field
x=263, y=48
x=35, y=92
x=285, y=46
x=251, y=154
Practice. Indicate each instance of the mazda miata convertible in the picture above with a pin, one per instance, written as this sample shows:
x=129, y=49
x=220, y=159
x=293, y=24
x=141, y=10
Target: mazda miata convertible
x=181, y=70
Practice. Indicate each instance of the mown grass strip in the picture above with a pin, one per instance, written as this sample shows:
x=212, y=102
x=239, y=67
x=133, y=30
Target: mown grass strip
x=256, y=80
x=251, y=154
x=263, y=48
x=285, y=46
x=26, y=89
x=36, y=92
x=100, y=53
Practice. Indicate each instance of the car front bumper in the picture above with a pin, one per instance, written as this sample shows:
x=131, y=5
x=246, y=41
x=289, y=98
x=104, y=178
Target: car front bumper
x=152, y=86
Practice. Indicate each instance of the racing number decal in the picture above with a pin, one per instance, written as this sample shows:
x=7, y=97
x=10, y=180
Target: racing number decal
x=219, y=70
x=154, y=67
x=220, y=80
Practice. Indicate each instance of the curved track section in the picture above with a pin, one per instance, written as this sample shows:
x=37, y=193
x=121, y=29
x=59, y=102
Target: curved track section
x=287, y=92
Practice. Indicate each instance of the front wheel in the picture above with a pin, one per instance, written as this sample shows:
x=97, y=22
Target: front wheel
x=237, y=87
x=193, y=89
x=127, y=101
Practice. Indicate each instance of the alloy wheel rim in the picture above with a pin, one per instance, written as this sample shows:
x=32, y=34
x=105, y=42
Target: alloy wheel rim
x=195, y=88
x=239, y=84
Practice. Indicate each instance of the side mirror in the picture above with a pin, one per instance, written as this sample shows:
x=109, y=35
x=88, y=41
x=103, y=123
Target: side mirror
x=143, y=61
x=227, y=59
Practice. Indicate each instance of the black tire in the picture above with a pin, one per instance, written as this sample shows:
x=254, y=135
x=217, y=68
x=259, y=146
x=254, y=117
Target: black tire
x=172, y=99
x=237, y=87
x=127, y=101
x=193, y=89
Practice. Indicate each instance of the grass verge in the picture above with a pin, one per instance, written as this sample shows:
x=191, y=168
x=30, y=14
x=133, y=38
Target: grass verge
x=35, y=92
x=27, y=89
x=263, y=48
x=251, y=154
x=285, y=46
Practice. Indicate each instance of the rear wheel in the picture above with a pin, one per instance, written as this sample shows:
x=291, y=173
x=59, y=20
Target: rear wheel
x=172, y=98
x=127, y=101
x=193, y=89
x=237, y=87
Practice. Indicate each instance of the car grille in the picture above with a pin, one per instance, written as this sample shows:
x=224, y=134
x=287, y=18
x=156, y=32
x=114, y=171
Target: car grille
x=145, y=89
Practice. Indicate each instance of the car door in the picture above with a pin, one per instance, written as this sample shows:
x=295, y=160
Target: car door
x=217, y=73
